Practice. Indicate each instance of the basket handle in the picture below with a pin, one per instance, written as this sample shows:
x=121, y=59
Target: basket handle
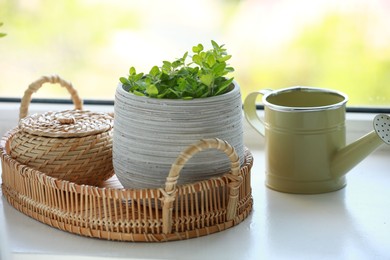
x=170, y=185
x=33, y=87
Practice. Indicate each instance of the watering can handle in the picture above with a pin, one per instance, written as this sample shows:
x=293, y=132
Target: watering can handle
x=250, y=111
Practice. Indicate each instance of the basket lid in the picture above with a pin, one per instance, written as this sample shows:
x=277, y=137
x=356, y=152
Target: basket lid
x=67, y=123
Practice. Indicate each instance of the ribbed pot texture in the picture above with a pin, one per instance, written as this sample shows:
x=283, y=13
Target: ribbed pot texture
x=150, y=133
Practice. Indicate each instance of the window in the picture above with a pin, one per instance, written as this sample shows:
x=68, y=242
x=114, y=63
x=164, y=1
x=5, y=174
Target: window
x=343, y=45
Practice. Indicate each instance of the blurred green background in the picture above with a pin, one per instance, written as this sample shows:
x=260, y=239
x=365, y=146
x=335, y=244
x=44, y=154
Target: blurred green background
x=342, y=45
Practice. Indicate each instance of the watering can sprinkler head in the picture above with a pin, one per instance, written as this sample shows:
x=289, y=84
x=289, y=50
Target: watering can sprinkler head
x=382, y=127
x=349, y=156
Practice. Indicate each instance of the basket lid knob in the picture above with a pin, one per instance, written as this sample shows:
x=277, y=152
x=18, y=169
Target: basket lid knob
x=66, y=120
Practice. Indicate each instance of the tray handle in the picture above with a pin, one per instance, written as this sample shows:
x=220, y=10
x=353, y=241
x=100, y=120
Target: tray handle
x=170, y=185
x=34, y=86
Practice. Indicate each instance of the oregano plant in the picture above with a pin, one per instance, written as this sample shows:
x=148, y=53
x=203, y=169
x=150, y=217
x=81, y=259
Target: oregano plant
x=203, y=76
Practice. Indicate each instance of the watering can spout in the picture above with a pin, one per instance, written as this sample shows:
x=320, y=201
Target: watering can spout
x=348, y=157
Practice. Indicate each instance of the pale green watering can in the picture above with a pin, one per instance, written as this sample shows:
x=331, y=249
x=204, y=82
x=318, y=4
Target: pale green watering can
x=305, y=140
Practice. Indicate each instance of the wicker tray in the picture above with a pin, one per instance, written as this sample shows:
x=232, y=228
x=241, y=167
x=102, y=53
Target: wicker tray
x=149, y=215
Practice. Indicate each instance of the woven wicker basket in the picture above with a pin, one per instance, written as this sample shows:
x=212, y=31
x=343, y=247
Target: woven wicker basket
x=113, y=213
x=73, y=145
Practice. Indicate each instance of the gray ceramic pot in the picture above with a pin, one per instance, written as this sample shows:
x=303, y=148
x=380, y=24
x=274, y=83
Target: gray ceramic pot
x=150, y=133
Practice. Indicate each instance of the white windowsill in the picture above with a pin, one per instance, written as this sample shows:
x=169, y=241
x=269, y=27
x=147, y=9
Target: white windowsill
x=357, y=123
x=352, y=223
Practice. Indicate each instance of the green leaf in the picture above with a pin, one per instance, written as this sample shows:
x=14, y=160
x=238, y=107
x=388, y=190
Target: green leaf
x=181, y=84
x=132, y=71
x=185, y=56
x=167, y=63
x=219, y=69
x=152, y=90
x=163, y=93
x=198, y=48
x=137, y=93
x=164, y=77
x=2, y=34
x=175, y=93
x=138, y=76
x=223, y=87
x=229, y=69
x=154, y=71
x=124, y=80
x=197, y=59
x=207, y=79
x=224, y=58
x=211, y=60
x=176, y=63
x=215, y=45
x=166, y=67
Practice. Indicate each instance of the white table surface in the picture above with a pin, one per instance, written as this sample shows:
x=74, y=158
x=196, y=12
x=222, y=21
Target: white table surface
x=352, y=223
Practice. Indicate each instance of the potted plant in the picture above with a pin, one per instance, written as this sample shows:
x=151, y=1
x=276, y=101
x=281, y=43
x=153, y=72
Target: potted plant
x=160, y=113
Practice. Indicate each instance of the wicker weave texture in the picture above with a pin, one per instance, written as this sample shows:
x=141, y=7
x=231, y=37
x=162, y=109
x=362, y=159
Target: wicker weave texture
x=148, y=215
x=36, y=85
x=86, y=160
x=72, y=145
x=67, y=123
